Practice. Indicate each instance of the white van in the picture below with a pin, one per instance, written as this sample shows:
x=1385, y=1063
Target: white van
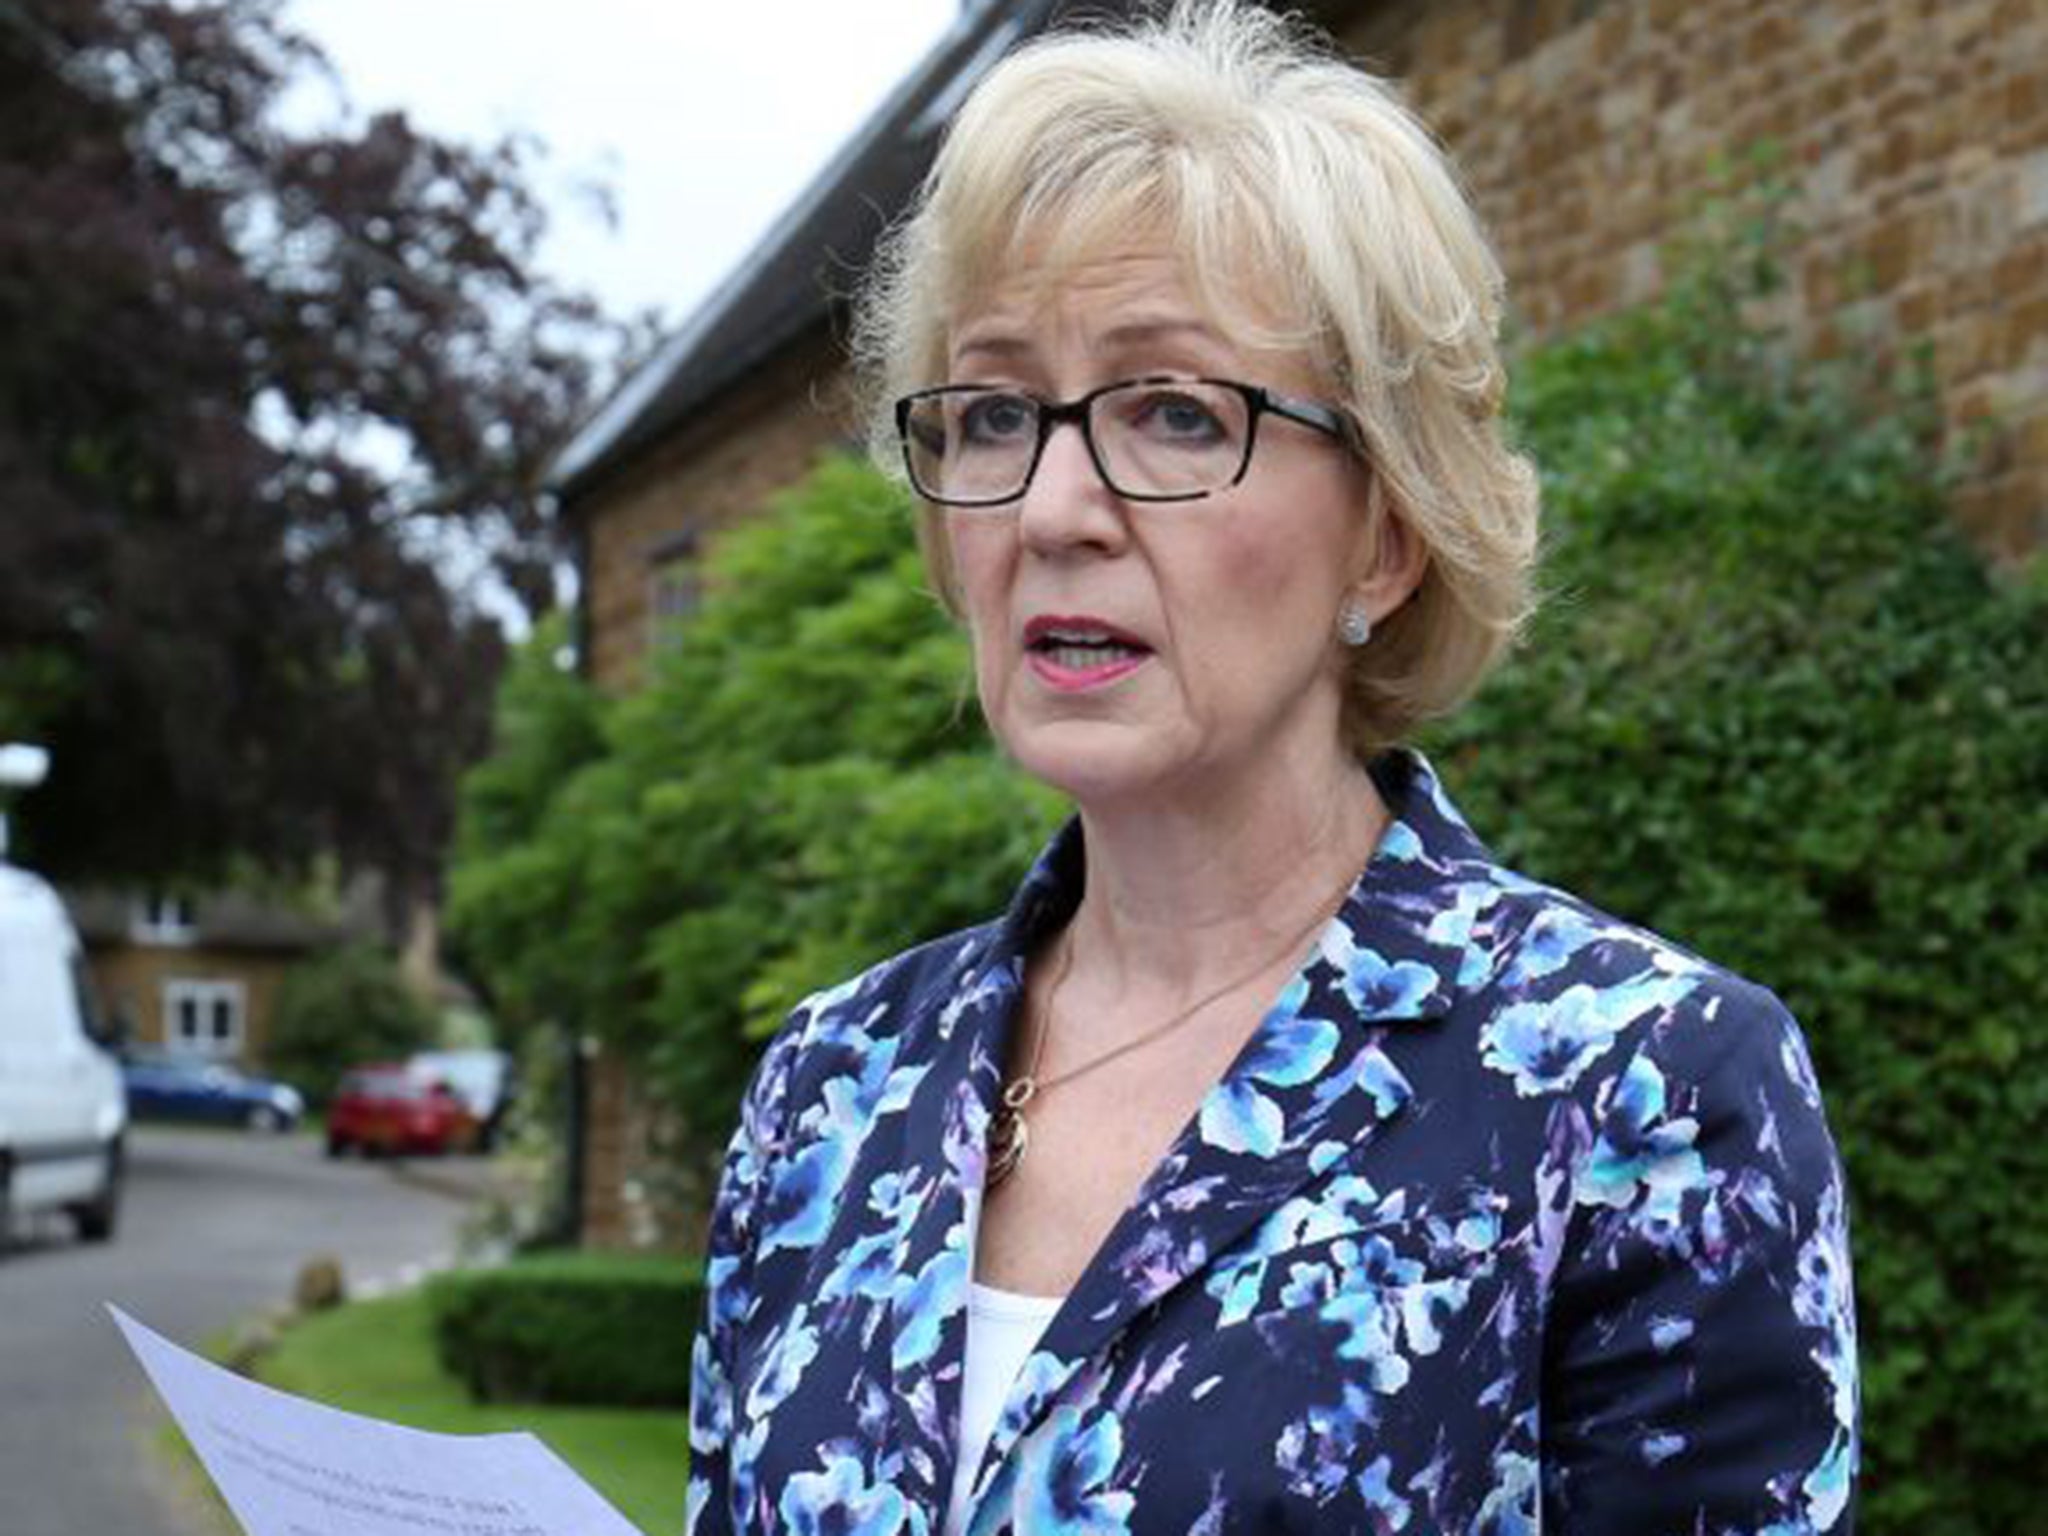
x=63, y=1110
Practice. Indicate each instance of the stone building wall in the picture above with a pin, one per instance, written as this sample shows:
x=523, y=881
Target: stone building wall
x=650, y=526
x=723, y=466
x=640, y=1188
x=616, y=1211
x=130, y=980
x=1914, y=134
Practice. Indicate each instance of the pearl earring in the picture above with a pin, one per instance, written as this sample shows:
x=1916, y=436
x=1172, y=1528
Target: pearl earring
x=1354, y=624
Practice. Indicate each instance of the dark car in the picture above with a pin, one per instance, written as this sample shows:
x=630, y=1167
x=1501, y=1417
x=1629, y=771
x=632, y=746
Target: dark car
x=391, y=1109
x=163, y=1085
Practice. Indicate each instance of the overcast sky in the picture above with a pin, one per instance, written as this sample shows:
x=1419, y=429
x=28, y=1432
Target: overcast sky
x=705, y=118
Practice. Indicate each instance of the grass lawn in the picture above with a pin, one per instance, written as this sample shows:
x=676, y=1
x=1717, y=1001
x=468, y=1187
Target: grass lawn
x=377, y=1357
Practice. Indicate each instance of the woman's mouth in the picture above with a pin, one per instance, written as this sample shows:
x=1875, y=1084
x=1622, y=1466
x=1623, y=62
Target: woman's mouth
x=1072, y=655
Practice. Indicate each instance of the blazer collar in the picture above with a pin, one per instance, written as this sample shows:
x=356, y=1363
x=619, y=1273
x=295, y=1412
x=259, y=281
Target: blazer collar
x=1317, y=1080
x=1415, y=908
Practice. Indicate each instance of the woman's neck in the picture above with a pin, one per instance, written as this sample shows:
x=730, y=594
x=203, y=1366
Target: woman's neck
x=1183, y=892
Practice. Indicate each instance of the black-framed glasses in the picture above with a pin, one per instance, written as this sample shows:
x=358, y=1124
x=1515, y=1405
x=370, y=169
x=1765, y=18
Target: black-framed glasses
x=1160, y=438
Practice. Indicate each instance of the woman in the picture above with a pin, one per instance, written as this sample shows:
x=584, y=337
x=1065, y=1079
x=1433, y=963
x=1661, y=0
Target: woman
x=1278, y=1161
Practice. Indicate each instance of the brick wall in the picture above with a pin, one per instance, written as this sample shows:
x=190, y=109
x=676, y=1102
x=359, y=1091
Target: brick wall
x=721, y=467
x=639, y=1190
x=616, y=1212
x=1915, y=133
x=130, y=981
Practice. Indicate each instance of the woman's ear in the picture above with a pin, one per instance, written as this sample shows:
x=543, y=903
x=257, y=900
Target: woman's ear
x=1392, y=560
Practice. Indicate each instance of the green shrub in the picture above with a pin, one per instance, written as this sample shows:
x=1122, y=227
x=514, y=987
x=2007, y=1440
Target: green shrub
x=570, y=1328
x=339, y=1010
x=1778, y=710
x=510, y=879
x=818, y=694
x=802, y=787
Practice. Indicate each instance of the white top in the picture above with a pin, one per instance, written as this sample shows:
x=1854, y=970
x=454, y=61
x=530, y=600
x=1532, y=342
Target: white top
x=1002, y=1330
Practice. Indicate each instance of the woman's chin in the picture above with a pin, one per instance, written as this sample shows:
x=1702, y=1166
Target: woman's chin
x=1096, y=764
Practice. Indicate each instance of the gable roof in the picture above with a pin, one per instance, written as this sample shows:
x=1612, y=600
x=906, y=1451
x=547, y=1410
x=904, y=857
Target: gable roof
x=800, y=272
x=232, y=919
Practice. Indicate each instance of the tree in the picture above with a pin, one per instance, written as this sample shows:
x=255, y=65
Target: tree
x=803, y=788
x=257, y=385
x=512, y=882
x=340, y=1010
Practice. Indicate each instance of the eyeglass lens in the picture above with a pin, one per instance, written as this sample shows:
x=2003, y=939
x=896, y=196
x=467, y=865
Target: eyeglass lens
x=1151, y=438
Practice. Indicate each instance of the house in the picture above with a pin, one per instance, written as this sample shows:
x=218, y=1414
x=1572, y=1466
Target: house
x=1914, y=134
x=197, y=976
x=200, y=975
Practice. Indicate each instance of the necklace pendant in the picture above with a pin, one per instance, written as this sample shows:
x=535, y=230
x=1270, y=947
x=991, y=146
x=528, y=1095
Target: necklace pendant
x=1008, y=1136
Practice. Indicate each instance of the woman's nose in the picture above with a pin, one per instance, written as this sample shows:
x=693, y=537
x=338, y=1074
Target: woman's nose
x=1067, y=503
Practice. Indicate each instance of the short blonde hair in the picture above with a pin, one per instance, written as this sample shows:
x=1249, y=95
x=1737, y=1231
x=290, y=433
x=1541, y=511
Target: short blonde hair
x=1263, y=160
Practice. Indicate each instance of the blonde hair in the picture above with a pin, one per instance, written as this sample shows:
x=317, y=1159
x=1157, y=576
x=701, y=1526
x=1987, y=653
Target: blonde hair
x=1260, y=158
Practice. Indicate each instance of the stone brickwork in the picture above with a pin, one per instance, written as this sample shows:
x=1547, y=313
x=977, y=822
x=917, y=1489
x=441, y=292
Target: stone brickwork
x=616, y=1212
x=638, y=1190
x=130, y=980
x=720, y=468
x=1914, y=132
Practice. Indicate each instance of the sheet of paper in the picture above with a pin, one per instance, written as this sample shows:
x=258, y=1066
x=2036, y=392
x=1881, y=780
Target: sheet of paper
x=289, y=1467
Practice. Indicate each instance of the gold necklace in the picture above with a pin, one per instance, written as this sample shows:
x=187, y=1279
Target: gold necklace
x=1009, y=1134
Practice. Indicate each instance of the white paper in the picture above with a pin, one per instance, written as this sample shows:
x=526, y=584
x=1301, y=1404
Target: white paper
x=289, y=1467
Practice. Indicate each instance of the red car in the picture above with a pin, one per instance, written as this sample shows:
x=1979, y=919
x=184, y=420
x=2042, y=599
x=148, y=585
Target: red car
x=387, y=1109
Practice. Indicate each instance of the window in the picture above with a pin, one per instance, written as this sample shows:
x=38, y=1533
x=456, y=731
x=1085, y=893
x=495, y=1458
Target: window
x=162, y=919
x=675, y=586
x=205, y=1018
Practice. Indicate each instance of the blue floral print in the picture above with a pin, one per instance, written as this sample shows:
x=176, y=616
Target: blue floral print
x=1064, y=1475
x=1644, y=1161
x=1508, y=1218
x=1547, y=1045
x=1236, y=1116
x=1371, y=982
x=839, y=1501
x=921, y=1301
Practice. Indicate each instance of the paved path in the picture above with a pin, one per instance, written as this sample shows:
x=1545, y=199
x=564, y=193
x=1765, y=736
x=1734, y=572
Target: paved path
x=214, y=1230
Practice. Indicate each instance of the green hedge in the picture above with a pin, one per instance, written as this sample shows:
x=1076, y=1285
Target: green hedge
x=1778, y=710
x=570, y=1328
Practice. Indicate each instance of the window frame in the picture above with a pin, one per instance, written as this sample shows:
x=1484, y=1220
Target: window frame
x=203, y=993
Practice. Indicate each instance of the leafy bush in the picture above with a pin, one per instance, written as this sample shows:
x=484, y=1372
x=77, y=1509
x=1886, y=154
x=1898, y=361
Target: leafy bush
x=570, y=1328
x=1777, y=710
x=819, y=691
x=515, y=869
x=802, y=788
x=339, y=1010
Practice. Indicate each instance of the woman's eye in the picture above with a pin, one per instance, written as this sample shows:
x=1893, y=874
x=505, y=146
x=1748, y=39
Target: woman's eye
x=996, y=419
x=1177, y=417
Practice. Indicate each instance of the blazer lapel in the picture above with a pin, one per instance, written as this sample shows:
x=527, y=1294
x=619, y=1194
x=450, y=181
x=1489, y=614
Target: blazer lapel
x=941, y=1152
x=1319, y=1079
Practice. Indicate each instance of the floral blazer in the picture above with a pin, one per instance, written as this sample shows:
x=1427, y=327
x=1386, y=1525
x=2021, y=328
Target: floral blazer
x=1508, y=1218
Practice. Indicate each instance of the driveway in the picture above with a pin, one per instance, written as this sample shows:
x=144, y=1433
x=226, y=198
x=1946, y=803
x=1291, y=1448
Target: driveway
x=214, y=1230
